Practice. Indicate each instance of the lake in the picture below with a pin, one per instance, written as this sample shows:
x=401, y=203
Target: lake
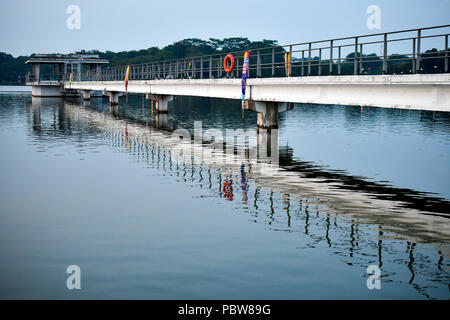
x=87, y=184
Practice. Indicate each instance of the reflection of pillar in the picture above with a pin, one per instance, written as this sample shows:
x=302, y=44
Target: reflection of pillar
x=36, y=105
x=162, y=120
x=36, y=108
x=114, y=110
x=267, y=144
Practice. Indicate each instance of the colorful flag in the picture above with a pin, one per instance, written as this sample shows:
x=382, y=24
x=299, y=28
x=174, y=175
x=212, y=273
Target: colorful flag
x=70, y=80
x=126, y=78
x=287, y=63
x=245, y=73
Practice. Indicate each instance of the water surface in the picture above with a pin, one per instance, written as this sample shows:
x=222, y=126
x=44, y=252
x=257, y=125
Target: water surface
x=95, y=186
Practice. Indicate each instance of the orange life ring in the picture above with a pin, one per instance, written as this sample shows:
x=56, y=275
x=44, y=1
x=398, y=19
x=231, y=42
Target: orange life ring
x=231, y=58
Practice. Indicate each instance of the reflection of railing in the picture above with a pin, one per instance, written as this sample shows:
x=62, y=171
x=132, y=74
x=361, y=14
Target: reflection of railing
x=400, y=52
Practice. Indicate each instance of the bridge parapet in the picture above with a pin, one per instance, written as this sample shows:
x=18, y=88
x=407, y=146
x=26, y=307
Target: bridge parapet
x=413, y=51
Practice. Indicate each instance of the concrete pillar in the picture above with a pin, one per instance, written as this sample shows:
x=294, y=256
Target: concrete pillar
x=162, y=102
x=267, y=112
x=267, y=119
x=85, y=94
x=162, y=105
x=113, y=96
x=36, y=71
x=47, y=90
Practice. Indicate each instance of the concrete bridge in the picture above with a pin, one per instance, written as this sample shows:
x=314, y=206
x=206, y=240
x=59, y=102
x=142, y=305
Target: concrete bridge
x=334, y=71
x=268, y=96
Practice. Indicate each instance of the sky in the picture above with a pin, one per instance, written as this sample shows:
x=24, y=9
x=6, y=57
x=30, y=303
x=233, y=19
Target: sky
x=41, y=26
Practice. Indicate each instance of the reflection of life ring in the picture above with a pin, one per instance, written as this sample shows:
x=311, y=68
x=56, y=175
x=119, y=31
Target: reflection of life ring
x=228, y=190
x=225, y=64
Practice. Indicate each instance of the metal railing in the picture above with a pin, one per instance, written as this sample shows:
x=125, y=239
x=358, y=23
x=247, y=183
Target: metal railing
x=399, y=52
x=30, y=77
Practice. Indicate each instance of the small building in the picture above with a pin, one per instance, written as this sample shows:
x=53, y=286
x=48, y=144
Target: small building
x=50, y=71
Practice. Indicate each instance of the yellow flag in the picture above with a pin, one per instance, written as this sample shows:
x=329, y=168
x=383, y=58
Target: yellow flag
x=287, y=63
x=126, y=78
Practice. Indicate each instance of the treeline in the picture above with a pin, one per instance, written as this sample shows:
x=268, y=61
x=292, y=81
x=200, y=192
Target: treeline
x=181, y=49
x=12, y=70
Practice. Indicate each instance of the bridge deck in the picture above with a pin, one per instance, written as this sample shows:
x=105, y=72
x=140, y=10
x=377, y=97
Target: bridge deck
x=420, y=91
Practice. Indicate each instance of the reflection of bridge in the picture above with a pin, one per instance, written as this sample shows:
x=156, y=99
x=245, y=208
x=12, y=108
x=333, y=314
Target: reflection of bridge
x=334, y=71
x=409, y=212
x=324, y=210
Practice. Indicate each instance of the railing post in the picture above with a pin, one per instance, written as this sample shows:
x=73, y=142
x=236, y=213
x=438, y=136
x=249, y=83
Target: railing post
x=339, y=60
x=210, y=67
x=258, y=64
x=355, y=58
x=201, y=68
x=237, y=67
x=193, y=68
x=273, y=62
x=413, y=58
x=290, y=60
x=361, y=58
x=446, y=54
x=419, y=35
x=303, y=63
x=385, y=68
x=320, y=61
x=309, y=59
x=331, y=58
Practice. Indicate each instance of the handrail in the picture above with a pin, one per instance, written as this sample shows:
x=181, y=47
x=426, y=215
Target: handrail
x=269, y=61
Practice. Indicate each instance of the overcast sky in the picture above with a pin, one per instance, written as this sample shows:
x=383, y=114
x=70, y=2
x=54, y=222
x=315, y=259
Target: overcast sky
x=40, y=26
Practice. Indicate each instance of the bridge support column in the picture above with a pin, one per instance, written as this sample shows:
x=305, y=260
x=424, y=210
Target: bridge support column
x=113, y=96
x=267, y=112
x=86, y=94
x=162, y=102
x=162, y=105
